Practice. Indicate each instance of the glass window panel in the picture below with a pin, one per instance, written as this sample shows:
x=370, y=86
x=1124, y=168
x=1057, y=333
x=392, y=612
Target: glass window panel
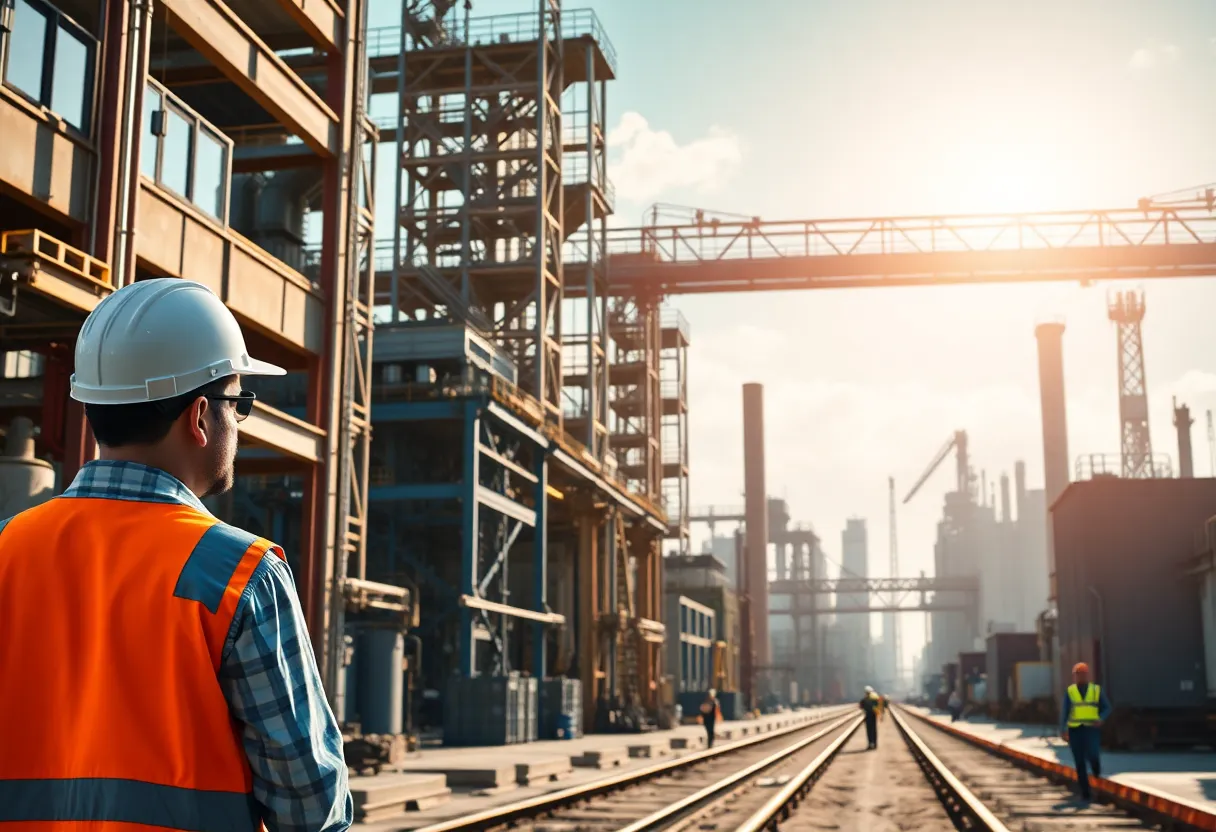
x=210, y=175
x=26, y=47
x=70, y=96
x=175, y=156
x=147, y=147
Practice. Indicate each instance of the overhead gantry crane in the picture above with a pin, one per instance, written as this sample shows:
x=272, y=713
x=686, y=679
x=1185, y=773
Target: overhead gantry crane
x=964, y=480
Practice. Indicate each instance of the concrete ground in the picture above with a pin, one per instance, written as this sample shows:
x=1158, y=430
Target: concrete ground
x=1186, y=775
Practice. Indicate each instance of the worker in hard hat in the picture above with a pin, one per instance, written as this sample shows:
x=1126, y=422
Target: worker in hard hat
x=156, y=668
x=1084, y=710
x=871, y=704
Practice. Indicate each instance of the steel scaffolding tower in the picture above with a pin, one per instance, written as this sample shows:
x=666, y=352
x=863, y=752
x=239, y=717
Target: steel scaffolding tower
x=673, y=432
x=1126, y=309
x=479, y=129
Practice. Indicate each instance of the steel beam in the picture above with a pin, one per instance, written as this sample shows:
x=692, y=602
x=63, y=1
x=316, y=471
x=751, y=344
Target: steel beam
x=274, y=429
x=504, y=505
x=466, y=650
x=224, y=39
x=416, y=491
x=541, y=618
x=321, y=19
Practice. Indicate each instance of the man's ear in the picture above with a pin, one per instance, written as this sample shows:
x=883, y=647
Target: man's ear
x=197, y=422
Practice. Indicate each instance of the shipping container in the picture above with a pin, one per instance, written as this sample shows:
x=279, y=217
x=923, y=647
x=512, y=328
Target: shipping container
x=1032, y=681
x=483, y=710
x=1129, y=605
x=1005, y=650
x=971, y=668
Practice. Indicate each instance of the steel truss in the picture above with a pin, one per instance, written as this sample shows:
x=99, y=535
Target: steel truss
x=879, y=594
x=732, y=255
x=1126, y=309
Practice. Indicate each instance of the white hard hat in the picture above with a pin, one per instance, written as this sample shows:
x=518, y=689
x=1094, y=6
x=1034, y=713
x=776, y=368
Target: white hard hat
x=156, y=339
x=869, y=689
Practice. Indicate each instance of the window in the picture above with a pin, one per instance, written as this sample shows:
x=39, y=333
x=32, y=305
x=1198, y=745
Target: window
x=185, y=154
x=210, y=173
x=147, y=149
x=51, y=60
x=175, y=152
x=27, y=49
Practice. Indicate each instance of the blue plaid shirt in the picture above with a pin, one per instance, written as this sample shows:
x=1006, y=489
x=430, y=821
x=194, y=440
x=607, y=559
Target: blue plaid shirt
x=267, y=671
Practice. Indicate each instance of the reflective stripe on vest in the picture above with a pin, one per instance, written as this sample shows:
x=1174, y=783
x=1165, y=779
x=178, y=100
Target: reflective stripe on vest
x=126, y=722
x=1083, y=711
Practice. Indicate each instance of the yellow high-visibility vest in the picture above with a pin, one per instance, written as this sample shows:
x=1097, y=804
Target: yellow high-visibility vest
x=1084, y=711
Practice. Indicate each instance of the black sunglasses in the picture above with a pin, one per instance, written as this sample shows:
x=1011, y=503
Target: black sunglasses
x=244, y=403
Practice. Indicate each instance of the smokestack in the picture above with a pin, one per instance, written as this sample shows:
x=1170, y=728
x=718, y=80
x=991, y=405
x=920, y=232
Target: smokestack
x=1005, y=509
x=756, y=513
x=1186, y=459
x=1019, y=486
x=1055, y=422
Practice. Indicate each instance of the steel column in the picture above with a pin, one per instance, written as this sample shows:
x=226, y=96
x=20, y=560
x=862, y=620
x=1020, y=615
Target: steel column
x=757, y=521
x=540, y=560
x=469, y=536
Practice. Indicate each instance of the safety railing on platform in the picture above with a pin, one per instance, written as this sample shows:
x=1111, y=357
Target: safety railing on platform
x=749, y=239
x=1098, y=466
x=502, y=29
x=38, y=245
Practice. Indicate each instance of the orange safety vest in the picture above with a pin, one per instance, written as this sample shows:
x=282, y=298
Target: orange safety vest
x=114, y=614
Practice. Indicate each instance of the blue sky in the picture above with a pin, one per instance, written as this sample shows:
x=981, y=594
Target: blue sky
x=790, y=109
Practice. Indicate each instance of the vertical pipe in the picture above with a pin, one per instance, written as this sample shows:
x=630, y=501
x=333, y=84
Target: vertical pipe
x=1006, y=506
x=1055, y=423
x=756, y=512
x=139, y=40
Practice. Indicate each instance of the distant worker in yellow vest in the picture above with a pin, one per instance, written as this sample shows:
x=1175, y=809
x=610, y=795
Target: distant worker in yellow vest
x=871, y=705
x=1085, y=707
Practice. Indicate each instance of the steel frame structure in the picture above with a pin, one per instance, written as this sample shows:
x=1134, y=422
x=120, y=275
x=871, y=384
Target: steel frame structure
x=673, y=428
x=755, y=255
x=1126, y=310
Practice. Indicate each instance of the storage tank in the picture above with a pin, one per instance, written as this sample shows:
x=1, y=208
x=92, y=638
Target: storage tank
x=25, y=480
x=381, y=688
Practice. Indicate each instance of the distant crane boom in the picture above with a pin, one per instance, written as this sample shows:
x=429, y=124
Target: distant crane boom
x=957, y=442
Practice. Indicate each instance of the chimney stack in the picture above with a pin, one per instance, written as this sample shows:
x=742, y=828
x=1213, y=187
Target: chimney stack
x=1019, y=488
x=1055, y=421
x=756, y=513
x=1006, y=516
x=1186, y=459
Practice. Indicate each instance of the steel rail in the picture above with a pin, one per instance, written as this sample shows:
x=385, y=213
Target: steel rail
x=541, y=804
x=1142, y=801
x=675, y=810
x=959, y=801
x=781, y=805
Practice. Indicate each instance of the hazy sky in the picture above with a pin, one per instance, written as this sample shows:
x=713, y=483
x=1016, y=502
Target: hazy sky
x=790, y=109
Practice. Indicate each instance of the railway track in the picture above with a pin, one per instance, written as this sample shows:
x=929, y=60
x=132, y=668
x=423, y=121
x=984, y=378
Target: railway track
x=821, y=776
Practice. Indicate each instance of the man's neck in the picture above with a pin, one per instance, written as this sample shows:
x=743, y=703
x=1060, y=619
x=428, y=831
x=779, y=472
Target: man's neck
x=149, y=455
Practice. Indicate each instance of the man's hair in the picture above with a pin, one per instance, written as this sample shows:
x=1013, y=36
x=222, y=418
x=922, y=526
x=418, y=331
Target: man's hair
x=143, y=423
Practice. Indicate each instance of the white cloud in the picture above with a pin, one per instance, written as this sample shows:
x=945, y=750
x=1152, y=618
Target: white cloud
x=647, y=162
x=1156, y=54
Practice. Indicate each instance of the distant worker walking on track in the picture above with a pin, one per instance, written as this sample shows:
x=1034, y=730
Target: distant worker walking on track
x=1085, y=708
x=711, y=713
x=156, y=667
x=871, y=704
